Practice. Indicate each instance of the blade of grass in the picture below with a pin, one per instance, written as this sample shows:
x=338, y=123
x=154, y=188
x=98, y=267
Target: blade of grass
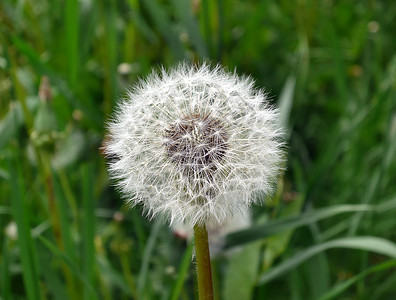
x=373, y=186
x=53, y=280
x=317, y=269
x=126, y=269
x=220, y=14
x=20, y=92
x=83, y=104
x=141, y=23
x=88, y=223
x=286, y=101
x=207, y=25
x=273, y=227
x=340, y=135
x=368, y=243
x=72, y=24
x=112, y=275
x=184, y=13
x=384, y=288
x=21, y=216
x=66, y=226
x=5, y=210
x=4, y=271
x=10, y=124
x=148, y=252
x=182, y=273
x=67, y=192
x=73, y=267
x=138, y=228
x=278, y=243
x=341, y=287
x=161, y=20
x=110, y=83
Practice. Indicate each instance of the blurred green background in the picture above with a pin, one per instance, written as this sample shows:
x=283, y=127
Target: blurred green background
x=328, y=233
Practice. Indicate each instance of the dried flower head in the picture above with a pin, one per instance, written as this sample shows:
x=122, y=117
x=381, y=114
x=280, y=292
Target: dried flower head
x=195, y=143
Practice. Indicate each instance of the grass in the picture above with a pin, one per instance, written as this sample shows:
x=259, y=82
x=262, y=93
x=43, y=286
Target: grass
x=329, y=232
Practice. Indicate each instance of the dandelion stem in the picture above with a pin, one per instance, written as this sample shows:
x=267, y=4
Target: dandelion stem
x=204, y=270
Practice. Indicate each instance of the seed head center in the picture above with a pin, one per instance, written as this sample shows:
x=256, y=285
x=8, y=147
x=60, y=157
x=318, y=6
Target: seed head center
x=196, y=142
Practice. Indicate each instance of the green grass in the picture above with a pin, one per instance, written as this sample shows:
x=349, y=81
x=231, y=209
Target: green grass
x=329, y=232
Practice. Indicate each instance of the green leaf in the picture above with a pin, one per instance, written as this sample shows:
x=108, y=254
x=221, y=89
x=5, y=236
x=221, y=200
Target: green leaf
x=241, y=273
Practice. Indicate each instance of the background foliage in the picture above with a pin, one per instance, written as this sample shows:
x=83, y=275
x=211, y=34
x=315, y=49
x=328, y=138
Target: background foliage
x=330, y=66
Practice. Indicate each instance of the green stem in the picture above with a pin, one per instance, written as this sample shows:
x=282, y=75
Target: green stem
x=204, y=270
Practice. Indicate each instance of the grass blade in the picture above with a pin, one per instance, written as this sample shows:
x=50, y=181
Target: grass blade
x=73, y=267
x=53, y=279
x=4, y=272
x=27, y=250
x=375, y=181
x=14, y=119
x=87, y=107
x=273, y=227
x=368, y=243
x=72, y=24
x=162, y=23
x=88, y=224
x=339, y=288
x=183, y=269
x=184, y=13
x=112, y=275
x=286, y=101
x=148, y=251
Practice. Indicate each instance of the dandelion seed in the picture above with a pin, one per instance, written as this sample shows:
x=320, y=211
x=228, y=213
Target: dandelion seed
x=197, y=144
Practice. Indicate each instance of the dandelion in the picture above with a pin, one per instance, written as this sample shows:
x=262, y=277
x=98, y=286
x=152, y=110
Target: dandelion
x=197, y=144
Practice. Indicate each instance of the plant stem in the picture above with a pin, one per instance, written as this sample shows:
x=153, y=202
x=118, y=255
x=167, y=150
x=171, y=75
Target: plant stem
x=204, y=270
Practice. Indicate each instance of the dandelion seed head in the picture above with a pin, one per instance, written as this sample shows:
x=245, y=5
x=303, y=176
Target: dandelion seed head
x=197, y=144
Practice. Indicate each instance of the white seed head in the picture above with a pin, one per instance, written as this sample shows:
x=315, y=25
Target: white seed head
x=197, y=144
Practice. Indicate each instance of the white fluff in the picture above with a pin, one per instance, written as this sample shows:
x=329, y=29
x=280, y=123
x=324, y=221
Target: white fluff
x=147, y=173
